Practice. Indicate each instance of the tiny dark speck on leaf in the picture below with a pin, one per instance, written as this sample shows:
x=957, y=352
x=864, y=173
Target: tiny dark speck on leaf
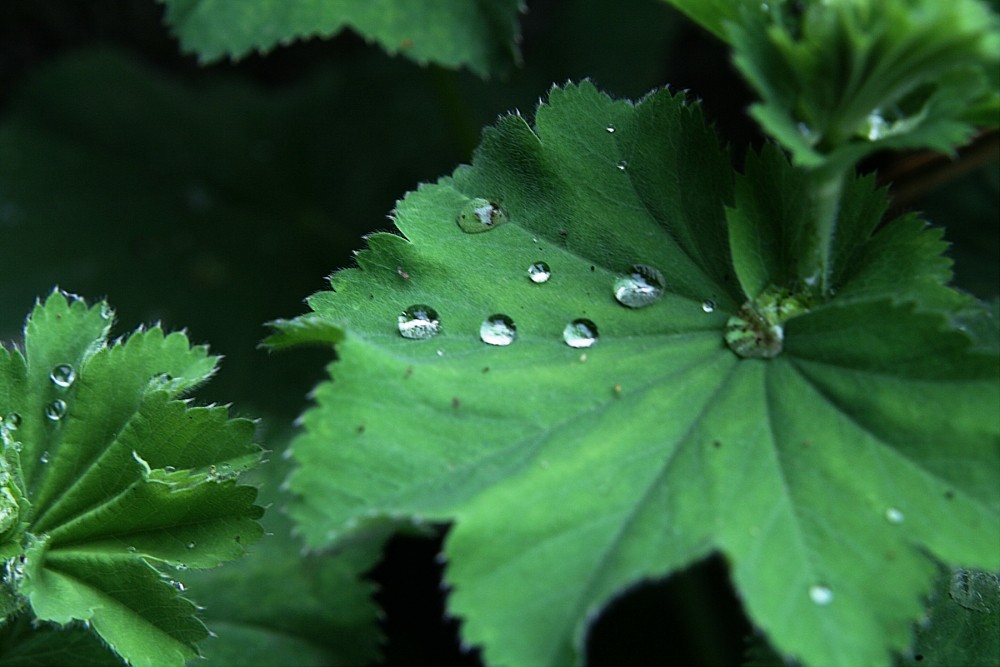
x=563, y=233
x=717, y=444
x=918, y=657
x=592, y=267
x=455, y=402
x=361, y=429
x=486, y=369
x=408, y=373
x=950, y=495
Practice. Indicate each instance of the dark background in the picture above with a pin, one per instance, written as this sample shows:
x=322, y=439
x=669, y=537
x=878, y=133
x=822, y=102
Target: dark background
x=218, y=197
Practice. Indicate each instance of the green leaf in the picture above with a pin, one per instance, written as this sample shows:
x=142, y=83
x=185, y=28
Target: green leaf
x=112, y=474
x=24, y=643
x=840, y=80
x=311, y=609
x=963, y=624
x=456, y=33
x=825, y=474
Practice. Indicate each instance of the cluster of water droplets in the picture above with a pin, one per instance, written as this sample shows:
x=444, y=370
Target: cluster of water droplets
x=62, y=377
x=639, y=286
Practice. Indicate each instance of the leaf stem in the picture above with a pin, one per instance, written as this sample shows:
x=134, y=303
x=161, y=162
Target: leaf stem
x=826, y=185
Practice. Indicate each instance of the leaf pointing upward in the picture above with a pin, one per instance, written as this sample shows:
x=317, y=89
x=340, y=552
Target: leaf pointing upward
x=825, y=475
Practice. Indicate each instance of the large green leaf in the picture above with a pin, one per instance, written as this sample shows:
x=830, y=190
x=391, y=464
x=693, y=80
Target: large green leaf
x=480, y=35
x=109, y=473
x=825, y=474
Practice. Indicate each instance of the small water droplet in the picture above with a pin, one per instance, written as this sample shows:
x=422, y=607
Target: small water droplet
x=480, y=215
x=820, y=594
x=440, y=353
x=63, y=376
x=419, y=322
x=178, y=585
x=55, y=410
x=44, y=458
x=893, y=515
x=610, y=129
x=539, y=272
x=708, y=306
x=580, y=333
x=190, y=545
x=169, y=469
x=623, y=165
x=641, y=286
x=107, y=312
x=180, y=567
x=130, y=549
x=498, y=330
x=13, y=421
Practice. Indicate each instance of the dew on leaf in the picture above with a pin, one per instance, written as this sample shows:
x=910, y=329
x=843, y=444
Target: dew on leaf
x=641, y=286
x=178, y=585
x=44, y=458
x=63, y=376
x=610, y=129
x=13, y=421
x=480, y=215
x=580, y=333
x=419, y=322
x=708, y=306
x=820, y=594
x=107, y=312
x=893, y=515
x=539, y=272
x=498, y=330
x=190, y=545
x=622, y=166
x=130, y=549
x=55, y=410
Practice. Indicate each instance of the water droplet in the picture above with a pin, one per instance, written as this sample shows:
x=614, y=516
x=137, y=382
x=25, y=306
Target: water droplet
x=419, y=322
x=623, y=165
x=13, y=421
x=610, y=129
x=480, y=215
x=821, y=595
x=893, y=515
x=55, y=410
x=107, y=312
x=178, y=585
x=190, y=545
x=539, y=272
x=44, y=458
x=63, y=376
x=708, y=306
x=580, y=333
x=498, y=330
x=130, y=549
x=180, y=567
x=641, y=286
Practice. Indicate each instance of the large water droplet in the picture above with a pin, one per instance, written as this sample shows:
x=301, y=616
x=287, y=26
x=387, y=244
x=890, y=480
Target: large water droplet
x=55, y=410
x=63, y=376
x=893, y=515
x=480, y=215
x=419, y=322
x=708, y=306
x=821, y=595
x=641, y=286
x=580, y=333
x=539, y=272
x=498, y=330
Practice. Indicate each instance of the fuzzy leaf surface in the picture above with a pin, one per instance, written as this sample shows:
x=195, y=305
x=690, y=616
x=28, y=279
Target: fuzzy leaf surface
x=824, y=475
x=479, y=35
x=115, y=474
